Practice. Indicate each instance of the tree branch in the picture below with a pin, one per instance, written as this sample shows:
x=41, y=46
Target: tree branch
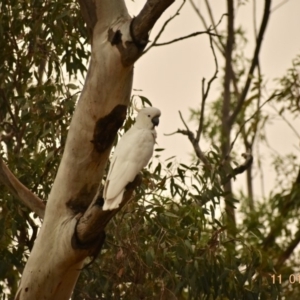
x=205, y=94
x=88, y=11
x=227, y=76
x=241, y=168
x=251, y=117
x=164, y=26
x=226, y=106
x=20, y=191
x=195, y=145
x=184, y=38
x=219, y=45
x=130, y=36
x=92, y=224
x=145, y=20
x=254, y=62
x=210, y=15
x=194, y=142
x=289, y=201
x=238, y=170
x=288, y=123
x=288, y=251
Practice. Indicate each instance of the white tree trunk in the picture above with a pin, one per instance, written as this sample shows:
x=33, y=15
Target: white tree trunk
x=54, y=265
x=73, y=226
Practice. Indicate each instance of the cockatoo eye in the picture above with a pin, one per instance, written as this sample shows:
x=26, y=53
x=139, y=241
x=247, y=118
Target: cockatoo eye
x=149, y=116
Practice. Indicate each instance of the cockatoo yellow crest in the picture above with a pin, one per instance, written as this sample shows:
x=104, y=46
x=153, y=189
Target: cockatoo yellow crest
x=132, y=153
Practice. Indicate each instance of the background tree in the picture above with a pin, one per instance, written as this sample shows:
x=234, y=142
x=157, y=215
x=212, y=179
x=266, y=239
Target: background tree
x=173, y=240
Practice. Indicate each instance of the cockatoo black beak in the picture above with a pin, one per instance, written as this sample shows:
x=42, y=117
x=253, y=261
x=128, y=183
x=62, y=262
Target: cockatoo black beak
x=155, y=120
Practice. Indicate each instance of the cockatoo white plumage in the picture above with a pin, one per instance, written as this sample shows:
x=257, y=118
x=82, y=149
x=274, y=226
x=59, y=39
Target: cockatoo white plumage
x=132, y=153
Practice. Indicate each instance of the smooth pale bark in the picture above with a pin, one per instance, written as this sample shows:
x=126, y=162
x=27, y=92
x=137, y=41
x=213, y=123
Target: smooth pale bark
x=53, y=266
x=74, y=222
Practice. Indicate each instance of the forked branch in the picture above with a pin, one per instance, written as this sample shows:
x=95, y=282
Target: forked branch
x=93, y=222
x=195, y=145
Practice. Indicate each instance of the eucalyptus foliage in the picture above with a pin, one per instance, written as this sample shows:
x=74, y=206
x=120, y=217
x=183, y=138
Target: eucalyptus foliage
x=43, y=49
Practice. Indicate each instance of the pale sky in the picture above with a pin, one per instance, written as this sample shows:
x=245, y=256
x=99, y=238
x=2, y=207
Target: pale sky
x=170, y=76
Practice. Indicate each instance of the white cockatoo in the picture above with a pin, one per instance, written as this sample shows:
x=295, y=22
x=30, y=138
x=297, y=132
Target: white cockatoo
x=132, y=153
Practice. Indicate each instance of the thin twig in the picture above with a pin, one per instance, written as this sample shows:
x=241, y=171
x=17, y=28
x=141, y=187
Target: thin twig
x=249, y=145
x=172, y=133
x=210, y=15
x=238, y=170
x=254, y=19
x=279, y=5
x=219, y=45
x=164, y=27
x=258, y=103
x=196, y=146
x=194, y=142
x=201, y=120
x=251, y=117
x=185, y=125
x=287, y=122
x=197, y=11
x=205, y=94
x=184, y=38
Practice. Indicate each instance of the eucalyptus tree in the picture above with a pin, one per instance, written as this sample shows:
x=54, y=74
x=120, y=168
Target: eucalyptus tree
x=73, y=223
x=186, y=234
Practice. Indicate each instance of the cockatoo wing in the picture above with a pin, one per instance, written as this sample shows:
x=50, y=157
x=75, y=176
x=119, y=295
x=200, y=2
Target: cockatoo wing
x=132, y=153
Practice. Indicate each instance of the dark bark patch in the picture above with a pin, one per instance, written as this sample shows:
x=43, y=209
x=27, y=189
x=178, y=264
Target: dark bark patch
x=93, y=247
x=82, y=200
x=100, y=201
x=132, y=51
x=114, y=37
x=107, y=127
x=94, y=244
